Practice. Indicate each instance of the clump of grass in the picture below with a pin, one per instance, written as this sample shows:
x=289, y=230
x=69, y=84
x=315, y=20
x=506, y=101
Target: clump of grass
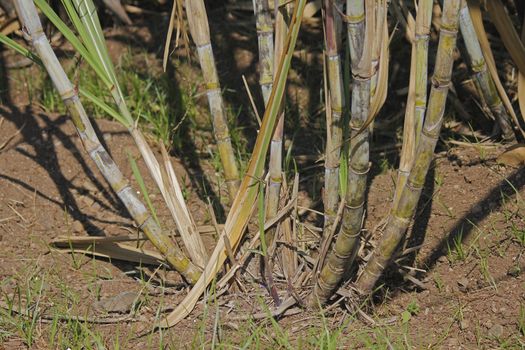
x=14, y=320
x=456, y=252
x=518, y=233
x=146, y=91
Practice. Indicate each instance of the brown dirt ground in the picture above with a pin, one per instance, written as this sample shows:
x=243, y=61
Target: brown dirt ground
x=50, y=188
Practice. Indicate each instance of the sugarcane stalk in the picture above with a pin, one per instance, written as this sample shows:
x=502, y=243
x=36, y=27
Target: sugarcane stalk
x=92, y=48
x=263, y=20
x=404, y=208
x=241, y=211
x=276, y=146
x=334, y=105
x=344, y=248
x=381, y=10
x=415, y=113
x=334, y=120
x=482, y=76
x=200, y=32
x=84, y=11
x=28, y=15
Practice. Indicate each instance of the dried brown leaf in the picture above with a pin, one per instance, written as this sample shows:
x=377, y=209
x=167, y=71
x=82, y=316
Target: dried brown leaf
x=514, y=156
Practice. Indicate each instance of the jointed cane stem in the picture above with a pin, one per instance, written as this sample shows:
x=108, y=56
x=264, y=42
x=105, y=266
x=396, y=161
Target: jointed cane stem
x=344, y=247
x=200, y=32
x=334, y=127
x=414, y=118
x=276, y=146
x=264, y=24
x=404, y=208
x=334, y=120
x=481, y=74
x=173, y=254
x=91, y=45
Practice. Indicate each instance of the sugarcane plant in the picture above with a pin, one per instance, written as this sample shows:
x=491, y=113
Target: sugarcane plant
x=417, y=97
x=404, y=207
x=360, y=31
x=356, y=40
x=200, y=32
x=31, y=22
x=484, y=80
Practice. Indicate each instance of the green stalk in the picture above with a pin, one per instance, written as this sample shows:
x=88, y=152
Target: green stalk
x=264, y=24
x=276, y=146
x=200, y=32
x=343, y=250
x=415, y=113
x=404, y=208
x=482, y=76
x=334, y=120
x=29, y=17
x=334, y=130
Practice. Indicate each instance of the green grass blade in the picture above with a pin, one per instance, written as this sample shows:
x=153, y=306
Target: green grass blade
x=90, y=44
x=77, y=23
x=92, y=32
x=10, y=43
x=88, y=19
x=86, y=16
x=7, y=41
x=73, y=39
x=100, y=103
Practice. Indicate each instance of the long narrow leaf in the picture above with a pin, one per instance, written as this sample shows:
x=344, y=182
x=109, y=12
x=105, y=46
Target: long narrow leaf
x=103, y=105
x=73, y=39
x=244, y=201
x=7, y=41
x=92, y=33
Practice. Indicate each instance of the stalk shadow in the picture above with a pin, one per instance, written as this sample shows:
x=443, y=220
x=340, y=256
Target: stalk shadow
x=44, y=153
x=187, y=153
x=5, y=98
x=418, y=232
x=465, y=226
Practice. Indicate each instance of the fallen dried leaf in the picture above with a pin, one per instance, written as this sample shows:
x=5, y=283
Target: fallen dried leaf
x=514, y=156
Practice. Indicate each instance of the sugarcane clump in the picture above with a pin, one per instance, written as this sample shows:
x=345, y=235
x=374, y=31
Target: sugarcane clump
x=356, y=41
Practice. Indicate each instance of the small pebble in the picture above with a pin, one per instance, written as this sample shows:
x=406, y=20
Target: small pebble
x=464, y=324
x=496, y=331
x=514, y=271
x=120, y=303
x=463, y=284
x=77, y=226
